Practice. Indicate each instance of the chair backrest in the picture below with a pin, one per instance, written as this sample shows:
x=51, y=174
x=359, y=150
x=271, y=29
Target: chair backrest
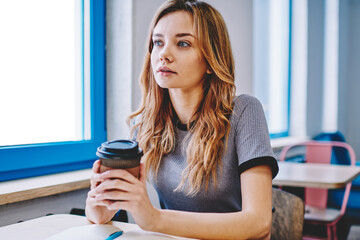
x=321, y=152
x=339, y=155
x=288, y=218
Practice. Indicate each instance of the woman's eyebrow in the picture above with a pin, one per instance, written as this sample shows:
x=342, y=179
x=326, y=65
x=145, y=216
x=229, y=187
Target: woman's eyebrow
x=184, y=35
x=158, y=35
x=176, y=35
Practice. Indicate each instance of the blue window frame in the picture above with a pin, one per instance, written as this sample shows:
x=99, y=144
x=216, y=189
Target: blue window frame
x=29, y=160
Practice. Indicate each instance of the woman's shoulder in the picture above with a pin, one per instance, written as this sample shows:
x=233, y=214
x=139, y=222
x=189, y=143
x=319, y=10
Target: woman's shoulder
x=244, y=101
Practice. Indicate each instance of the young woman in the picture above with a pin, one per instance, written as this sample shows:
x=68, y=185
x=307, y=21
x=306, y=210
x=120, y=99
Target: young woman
x=207, y=152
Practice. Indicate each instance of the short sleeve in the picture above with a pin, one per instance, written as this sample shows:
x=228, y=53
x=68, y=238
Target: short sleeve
x=252, y=135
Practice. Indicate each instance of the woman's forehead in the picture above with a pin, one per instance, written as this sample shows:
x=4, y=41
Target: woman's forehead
x=174, y=23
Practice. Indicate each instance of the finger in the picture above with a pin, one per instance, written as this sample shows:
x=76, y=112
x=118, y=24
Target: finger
x=96, y=166
x=96, y=177
x=114, y=184
x=115, y=205
x=91, y=200
x=114, y=196
x=95, y=180
x=120, y=174
x=97, y=202
x=142, y=173
x=92, y=193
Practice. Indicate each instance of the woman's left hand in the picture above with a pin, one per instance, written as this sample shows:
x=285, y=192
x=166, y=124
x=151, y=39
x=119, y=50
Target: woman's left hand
x=121, y=190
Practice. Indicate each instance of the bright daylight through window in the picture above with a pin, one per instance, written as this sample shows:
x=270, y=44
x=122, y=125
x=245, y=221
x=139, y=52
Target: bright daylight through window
x=52, y=85
x=42, y=84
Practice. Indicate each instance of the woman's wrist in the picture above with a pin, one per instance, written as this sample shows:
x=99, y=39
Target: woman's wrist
x=156, y=221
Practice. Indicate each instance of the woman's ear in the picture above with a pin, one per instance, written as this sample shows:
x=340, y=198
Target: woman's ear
x=209, y=71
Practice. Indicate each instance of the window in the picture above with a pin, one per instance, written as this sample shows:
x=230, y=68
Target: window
x=272, y=62
x=52, y=85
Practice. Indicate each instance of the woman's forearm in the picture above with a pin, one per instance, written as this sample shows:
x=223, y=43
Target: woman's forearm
x=253, y=222
x=237, y=225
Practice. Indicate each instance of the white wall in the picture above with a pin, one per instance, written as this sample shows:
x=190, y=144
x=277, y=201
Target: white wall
x=238, y=16
x=39, y=207
x=349, y=72
x=315, y=65
x=119, y=64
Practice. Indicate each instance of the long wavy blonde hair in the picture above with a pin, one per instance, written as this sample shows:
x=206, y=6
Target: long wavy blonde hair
x=156, y=116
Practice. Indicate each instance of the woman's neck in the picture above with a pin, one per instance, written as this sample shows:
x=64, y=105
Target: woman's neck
x=185, y=103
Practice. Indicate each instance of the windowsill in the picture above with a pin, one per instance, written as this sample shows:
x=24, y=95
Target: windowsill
x=35, y=187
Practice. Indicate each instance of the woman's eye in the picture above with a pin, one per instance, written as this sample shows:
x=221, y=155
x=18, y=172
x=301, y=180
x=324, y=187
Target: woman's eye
x=183, y=44
x=157, y=43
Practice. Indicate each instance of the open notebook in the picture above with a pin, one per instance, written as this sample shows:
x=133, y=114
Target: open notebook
x=105, y=231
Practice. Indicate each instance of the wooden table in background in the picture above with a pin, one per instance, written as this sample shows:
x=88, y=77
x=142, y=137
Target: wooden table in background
x=313, y=175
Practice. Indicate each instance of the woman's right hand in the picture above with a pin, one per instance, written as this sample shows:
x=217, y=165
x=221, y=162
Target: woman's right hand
x=95, y=210
x=94, y=178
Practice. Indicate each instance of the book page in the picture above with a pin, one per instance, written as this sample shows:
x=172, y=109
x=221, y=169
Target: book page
x=103, y=231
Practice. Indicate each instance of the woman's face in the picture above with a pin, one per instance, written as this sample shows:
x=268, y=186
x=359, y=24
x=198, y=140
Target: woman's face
x=176, y=59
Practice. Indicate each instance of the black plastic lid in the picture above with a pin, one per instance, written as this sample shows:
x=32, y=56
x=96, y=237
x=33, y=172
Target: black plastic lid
x=119, y=149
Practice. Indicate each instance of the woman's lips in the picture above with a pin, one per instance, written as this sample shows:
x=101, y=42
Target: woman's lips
x=165, y=71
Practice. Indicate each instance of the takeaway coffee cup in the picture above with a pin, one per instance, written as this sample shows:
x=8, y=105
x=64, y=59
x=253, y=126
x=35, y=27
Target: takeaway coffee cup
x=120, y=154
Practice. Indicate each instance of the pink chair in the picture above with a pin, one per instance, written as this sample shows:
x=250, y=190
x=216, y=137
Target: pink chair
x=316, y=210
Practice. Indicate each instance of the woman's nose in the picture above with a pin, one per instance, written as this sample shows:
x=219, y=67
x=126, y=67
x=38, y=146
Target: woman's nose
x=166, y=55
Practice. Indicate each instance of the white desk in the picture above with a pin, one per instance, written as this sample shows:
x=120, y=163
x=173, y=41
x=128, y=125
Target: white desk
x=315, y=175
x=45, y=227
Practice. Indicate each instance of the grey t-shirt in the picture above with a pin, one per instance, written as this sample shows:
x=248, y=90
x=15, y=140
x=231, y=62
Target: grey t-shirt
x=248, y=146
